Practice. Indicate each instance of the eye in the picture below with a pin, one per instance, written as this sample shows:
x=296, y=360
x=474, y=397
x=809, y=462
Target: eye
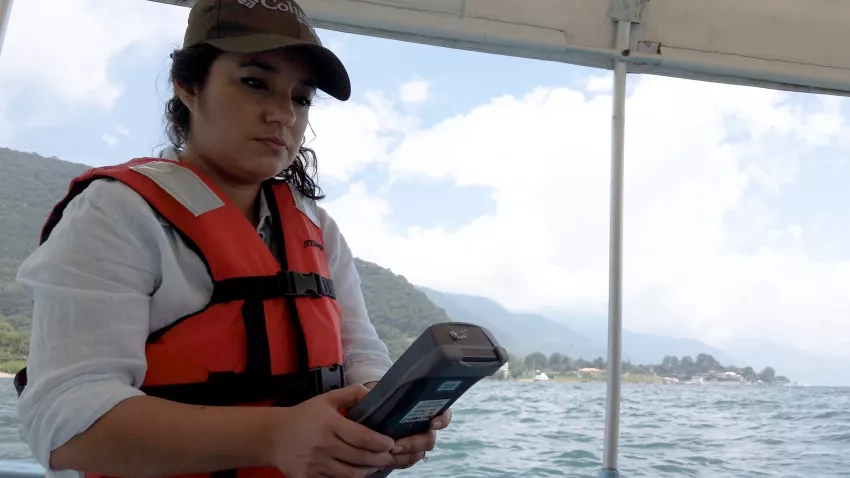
x=303, y=101
x=255, y=83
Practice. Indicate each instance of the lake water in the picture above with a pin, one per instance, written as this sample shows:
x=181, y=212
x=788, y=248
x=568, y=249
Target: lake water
x=509, y=429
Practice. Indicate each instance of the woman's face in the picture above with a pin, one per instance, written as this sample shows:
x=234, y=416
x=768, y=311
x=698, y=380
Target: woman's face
x=248, y=121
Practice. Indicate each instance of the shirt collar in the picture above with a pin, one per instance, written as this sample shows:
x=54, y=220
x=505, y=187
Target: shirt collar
x=265, y=222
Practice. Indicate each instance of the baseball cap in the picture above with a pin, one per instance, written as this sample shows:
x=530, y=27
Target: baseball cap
x=251, y=26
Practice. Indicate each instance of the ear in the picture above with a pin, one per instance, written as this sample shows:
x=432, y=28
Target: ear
x=187, y=96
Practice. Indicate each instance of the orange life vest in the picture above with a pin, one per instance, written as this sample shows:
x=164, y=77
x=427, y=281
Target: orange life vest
x=270, y=335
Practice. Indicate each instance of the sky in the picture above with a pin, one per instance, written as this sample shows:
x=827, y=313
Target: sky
x=489, y=175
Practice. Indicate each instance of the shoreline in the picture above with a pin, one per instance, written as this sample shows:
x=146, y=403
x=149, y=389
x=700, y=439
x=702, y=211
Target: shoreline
x=645, y=380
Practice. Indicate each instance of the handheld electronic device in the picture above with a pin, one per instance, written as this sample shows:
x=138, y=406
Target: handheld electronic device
x=440, y=366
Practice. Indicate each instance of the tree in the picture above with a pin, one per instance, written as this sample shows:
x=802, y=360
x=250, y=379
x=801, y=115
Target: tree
x=536, y=361
x=516, y=365
x=14, y=347
x=767, y=375
x=599, y=363
x=670, y=362
x=706, y=363
x=687, y=368
x=555, y=360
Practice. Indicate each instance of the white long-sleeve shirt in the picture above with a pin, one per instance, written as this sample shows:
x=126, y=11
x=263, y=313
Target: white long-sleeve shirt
x=112, y=272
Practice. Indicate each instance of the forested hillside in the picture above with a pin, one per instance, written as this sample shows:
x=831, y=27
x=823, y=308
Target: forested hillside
x=29, y=187
x=398, y=309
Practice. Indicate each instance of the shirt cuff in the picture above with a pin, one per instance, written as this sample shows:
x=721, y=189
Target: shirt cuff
x=58, y=418
x=362, y=373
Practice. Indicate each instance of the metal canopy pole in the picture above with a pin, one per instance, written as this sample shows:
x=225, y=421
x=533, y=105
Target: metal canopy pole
x=5, y=13
x=624, y=12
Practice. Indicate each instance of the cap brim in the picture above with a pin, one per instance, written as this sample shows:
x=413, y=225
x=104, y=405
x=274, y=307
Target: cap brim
x=331, y=75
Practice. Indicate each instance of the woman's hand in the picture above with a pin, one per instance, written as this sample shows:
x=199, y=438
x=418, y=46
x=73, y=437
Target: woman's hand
x=408, y=451
x=314, y=439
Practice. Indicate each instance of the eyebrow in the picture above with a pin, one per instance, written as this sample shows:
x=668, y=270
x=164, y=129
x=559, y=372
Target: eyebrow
x=258, y=64
x=309, y=82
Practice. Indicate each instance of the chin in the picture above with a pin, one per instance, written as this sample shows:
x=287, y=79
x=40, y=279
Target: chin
x=269, y=166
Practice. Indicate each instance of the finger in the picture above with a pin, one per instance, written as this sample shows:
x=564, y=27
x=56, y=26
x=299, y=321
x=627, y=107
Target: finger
x=359, y=436
x=336, y=468
x=346, y=397
x=406, y=460
x=359, y=457
x=416, y=443
x=442, y=421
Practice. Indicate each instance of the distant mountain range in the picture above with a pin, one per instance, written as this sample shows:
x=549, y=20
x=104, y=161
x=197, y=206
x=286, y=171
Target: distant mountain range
x=583, y=337
x=642, y=348
x=525, y=333
x=520, y=334
x=30, y=185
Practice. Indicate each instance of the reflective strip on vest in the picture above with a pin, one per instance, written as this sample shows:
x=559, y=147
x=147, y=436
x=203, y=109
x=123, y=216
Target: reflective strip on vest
x=182, y=184
x=305, y=205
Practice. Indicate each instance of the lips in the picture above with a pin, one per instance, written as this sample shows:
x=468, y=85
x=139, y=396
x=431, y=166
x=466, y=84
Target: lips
x=275, y=144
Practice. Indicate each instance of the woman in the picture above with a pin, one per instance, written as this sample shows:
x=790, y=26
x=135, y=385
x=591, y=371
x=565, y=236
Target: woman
x=167, y=291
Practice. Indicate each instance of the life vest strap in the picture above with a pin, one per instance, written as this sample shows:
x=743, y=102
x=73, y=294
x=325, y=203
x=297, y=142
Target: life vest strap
x=282, y=284
x=231, y=388
x=224, y=474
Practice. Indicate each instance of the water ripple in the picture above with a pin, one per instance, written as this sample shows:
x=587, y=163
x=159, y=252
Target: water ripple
x=507, y=430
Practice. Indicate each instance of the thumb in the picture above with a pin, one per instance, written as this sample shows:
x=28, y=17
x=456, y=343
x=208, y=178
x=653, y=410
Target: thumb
x=346, y=397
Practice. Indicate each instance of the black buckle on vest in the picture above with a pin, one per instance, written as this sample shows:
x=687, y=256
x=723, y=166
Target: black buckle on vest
x=314, y=382
x=325, y=379
x=281, y=284
x=293, y=283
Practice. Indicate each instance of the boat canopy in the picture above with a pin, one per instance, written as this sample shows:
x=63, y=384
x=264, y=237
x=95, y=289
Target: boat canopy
x=797, y=45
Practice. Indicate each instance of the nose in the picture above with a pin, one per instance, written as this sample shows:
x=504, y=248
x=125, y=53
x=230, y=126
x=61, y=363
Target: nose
x=282, y=112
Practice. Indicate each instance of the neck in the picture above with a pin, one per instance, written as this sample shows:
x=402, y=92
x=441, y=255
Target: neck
x=243, y=195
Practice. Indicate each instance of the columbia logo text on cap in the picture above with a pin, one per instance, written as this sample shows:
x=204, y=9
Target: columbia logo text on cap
x=281, y=6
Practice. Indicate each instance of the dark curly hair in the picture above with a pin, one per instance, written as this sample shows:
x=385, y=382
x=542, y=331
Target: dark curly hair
x=189, y=68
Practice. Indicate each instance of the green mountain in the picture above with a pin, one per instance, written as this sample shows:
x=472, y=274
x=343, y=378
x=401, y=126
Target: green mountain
x=30, y=185
x=399, y=311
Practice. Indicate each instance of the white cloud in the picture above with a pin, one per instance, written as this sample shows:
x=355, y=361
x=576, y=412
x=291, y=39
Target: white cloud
x=64, y=49
x=341, y=149
x=414, y=91
x=109, y=139
x=600, y=84
x=112, y=139
x=546, y=158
